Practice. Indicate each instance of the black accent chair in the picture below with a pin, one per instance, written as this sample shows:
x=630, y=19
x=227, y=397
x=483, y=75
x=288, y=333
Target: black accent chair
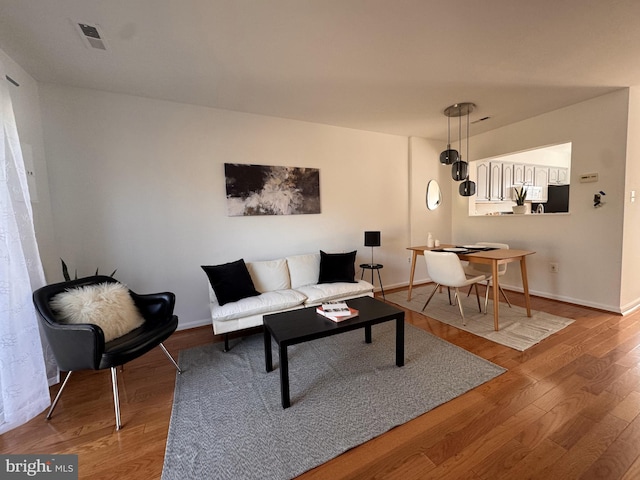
x=82, y=346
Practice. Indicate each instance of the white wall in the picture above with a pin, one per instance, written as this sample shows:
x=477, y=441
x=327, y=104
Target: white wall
x=586, y=243
x=138, y=185
x=425, y=166
x=630, y=291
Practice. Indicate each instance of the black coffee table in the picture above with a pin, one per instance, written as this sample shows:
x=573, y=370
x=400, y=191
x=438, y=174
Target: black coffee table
x=299, y=326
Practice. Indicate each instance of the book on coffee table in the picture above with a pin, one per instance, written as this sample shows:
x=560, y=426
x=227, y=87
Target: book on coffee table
x=337, y=315
x=337, y=309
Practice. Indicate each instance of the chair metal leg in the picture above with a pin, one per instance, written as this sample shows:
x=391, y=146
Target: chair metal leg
x=486, y=297
x=478, y=297
x=505, y=296
x=430, y=297
x=116, y=399
x=226, y=342
x=170, y=358
x=457, y=297
x=55, y=400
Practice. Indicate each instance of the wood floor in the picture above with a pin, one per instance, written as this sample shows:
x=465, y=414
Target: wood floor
x=567, y=408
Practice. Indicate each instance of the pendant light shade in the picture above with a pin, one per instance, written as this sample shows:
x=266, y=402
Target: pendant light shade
x=449, y=156
x=459, y=170
x=467, y=188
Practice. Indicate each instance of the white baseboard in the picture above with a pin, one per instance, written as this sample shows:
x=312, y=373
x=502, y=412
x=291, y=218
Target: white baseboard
x=562, y=298
x=185, y=325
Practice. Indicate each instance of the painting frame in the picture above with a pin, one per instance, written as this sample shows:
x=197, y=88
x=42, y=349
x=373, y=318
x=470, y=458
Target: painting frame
x=263, y=190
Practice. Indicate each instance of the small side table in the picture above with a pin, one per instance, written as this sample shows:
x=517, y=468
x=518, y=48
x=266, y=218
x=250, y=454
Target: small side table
x=372, y=267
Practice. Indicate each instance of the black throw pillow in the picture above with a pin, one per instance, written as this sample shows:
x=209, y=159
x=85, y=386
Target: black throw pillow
x=337, y=267
x=230, y=281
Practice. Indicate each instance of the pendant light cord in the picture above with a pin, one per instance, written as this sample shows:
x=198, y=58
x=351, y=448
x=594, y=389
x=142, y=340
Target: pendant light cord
x=460, y=134
x=468, y=115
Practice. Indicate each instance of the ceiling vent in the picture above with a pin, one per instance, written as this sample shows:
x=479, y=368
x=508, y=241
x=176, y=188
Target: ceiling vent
x=91, y=35
x=480, y=120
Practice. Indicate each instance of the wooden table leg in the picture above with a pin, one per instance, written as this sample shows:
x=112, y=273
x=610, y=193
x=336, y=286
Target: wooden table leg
x=413, y=272
x=496, y=295
x=525, y=284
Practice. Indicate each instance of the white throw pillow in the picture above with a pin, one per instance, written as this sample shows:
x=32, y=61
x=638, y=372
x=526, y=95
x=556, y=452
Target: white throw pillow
x=269, y=276
x=107, y=305
x=304, y=269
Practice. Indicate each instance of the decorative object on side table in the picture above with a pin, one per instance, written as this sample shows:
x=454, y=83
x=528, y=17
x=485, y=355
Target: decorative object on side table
x=521, y=196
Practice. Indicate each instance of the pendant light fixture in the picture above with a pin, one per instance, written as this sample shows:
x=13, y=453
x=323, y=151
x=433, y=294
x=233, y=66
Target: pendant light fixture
x=460, y=167
x=449, y=156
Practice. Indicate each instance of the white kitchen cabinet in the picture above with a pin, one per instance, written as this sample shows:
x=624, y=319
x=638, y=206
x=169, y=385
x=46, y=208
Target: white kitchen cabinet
x=507, y=179
x=529, y=175
x=495, y=182
x=541, y=176
x=518, y=174
x=558, y=176
x=483, y=174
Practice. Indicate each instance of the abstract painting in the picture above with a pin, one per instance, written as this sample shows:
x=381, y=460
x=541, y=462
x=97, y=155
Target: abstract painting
x=269, y=190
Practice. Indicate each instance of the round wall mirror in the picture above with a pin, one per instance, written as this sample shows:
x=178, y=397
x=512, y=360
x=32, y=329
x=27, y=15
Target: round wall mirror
x=434, y=196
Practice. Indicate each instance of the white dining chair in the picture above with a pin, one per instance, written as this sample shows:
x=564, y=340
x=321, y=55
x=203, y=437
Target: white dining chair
x=445, y=269
x=482, y=269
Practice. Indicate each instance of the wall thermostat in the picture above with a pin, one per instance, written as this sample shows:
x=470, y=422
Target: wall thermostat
x=588, y=177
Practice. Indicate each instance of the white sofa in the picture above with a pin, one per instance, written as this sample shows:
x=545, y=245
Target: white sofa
x=284, y=284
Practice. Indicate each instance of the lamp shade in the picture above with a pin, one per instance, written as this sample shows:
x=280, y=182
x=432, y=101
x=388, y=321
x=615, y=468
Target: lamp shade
x=459, y=170
x=448, y=156
x=371, y=239
x=467, y=188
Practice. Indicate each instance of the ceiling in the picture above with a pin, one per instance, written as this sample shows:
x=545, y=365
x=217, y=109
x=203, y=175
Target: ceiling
x=388, y=66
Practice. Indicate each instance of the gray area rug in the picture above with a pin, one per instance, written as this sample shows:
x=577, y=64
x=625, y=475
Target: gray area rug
x=228, y=423
x=516, y=329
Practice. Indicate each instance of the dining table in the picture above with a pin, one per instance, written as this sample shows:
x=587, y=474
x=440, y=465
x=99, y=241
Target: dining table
x=493, y=257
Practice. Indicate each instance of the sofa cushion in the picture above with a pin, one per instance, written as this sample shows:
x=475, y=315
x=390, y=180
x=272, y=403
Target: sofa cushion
x=264, y=303
x=107, y=305
x=324, y=292
x=304, y=269
x=337, y=267
x=230, y=281
x=269, y=276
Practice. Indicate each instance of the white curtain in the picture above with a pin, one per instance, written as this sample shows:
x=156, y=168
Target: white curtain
x=24, y=391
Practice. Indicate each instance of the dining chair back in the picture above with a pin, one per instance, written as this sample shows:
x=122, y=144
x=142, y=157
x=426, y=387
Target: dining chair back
x=445, y=269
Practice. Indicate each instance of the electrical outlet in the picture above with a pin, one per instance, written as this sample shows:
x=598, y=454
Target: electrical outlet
x=408, y=259
x=554, y=267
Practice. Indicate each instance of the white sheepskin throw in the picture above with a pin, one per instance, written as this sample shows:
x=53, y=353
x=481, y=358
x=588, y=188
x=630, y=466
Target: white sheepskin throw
x=107, y=305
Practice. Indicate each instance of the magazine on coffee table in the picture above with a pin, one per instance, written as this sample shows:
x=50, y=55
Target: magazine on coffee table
x=336, y=311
